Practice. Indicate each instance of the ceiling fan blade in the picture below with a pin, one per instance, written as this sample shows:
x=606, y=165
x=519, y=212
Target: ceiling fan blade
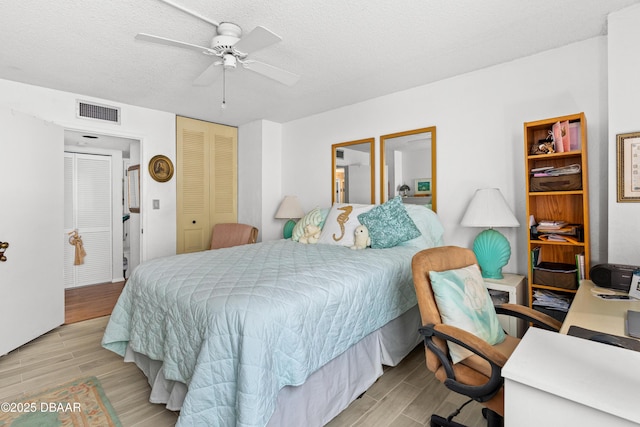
x=208, y=76
x=190, y=12
x=257, y=39
x=170, y=42
x=275, y=73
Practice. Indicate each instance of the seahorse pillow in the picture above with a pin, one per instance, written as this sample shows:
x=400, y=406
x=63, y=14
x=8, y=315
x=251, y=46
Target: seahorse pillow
x=341, y=223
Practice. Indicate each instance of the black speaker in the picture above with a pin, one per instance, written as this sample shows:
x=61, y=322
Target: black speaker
x=613, y=276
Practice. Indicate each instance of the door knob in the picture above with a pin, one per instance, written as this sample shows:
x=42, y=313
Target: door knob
x=3, y=247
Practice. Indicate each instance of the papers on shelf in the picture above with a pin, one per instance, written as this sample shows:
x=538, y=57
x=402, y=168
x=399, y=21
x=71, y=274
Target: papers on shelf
x=551, y=171
x=557, y=238
x=551, y=223
x=548, y=299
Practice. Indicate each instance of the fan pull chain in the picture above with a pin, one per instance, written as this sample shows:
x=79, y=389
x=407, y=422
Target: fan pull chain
x=224, y=88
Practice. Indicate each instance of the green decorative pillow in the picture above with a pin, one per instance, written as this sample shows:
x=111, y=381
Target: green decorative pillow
x=464, y=302
x=389, y=224
x=314, y=216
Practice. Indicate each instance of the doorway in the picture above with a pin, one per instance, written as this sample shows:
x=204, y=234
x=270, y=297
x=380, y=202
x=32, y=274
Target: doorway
x=342, y=184
x=88, y=226
x=125, y=240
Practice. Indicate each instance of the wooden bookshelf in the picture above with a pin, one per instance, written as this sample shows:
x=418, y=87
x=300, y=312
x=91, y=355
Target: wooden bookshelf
x=571, y=206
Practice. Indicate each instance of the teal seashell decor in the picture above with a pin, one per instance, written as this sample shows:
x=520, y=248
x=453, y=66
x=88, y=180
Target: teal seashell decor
x=492, y=251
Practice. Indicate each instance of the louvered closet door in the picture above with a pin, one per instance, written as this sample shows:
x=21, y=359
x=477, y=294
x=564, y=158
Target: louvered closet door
x=207, y=178
x=224, y=164
x=193, y=186
x=88, y=209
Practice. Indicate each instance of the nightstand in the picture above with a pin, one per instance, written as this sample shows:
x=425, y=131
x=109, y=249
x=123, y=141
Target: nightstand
x=512, y=287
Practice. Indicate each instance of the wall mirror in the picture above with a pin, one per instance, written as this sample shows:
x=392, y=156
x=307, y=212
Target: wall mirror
x=133, y=175
x=408, y=166
x=352, y=172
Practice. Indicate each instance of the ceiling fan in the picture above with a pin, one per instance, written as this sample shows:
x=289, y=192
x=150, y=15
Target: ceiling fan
x=231, y=48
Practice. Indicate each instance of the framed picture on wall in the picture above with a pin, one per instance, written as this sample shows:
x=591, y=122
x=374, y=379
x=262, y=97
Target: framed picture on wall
x=628, y=165
x=422, y=187
x=133, y=175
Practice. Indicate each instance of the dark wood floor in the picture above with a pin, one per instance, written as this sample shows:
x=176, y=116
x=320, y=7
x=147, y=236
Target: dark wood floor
x=89, y=302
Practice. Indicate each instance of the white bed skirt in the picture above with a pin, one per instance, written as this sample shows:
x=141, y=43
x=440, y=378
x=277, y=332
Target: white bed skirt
x=328, y=391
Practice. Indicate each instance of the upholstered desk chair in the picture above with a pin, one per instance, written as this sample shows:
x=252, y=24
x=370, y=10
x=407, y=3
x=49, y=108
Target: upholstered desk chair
x=477, y=376
x=232, y=234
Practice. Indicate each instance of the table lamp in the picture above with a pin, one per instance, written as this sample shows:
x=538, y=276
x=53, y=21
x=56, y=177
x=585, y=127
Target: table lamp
x=488, y=208
x=289, y=209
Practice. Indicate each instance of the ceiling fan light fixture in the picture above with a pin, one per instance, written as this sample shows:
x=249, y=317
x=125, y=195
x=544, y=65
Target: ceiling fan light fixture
x=229, y=61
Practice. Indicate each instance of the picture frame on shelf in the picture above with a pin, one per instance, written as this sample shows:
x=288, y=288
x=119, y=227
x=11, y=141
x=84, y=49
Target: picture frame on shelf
x=628, y=167
x=422, y=187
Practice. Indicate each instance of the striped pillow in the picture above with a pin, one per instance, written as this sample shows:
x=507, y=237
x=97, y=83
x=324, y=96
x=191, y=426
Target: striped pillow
x=314, y=217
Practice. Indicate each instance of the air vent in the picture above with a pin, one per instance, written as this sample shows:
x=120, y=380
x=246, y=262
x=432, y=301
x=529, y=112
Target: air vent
x=97, y=112
x=339, y=154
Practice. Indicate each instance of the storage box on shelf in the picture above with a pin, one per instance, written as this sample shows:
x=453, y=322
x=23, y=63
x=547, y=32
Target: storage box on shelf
x=562, y=198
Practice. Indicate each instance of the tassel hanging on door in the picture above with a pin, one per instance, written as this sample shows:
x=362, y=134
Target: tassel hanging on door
x=76, y=240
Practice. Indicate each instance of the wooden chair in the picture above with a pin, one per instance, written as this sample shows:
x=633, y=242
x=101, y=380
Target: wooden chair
x=478, y=376
x=232, y=234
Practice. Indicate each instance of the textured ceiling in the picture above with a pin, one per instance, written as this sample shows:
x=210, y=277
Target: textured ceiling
x=344, y=51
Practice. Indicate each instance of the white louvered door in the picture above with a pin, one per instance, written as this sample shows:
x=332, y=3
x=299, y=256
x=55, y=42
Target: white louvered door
x=88, y=185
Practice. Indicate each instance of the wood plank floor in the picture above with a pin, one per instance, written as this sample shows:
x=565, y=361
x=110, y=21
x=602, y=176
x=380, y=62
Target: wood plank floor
x=74, y=351
x=405, y=395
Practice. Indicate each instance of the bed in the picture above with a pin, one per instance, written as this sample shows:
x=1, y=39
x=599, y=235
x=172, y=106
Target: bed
x=275, y=333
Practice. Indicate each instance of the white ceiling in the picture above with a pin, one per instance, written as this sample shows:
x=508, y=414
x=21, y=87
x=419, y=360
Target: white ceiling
x=345, y=51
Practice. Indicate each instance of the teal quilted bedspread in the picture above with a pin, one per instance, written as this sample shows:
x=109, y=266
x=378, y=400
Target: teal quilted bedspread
x=238, y=324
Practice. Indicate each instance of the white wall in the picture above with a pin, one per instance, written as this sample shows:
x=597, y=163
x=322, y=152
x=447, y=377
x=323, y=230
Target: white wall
x=155, y=130
x=479, y=119
x=259, y=177
x=415, y=166
x=624, y=117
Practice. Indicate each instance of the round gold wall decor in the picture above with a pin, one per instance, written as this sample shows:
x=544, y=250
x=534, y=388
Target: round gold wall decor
x=161, y=168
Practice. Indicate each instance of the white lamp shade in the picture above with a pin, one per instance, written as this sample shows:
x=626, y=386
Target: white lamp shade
x=290, y=208
x=488, y=208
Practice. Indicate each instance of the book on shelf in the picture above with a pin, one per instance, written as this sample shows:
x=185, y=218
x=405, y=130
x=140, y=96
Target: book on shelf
x=561, y=136
x=580, y=267
x=556, y=129
x=566, y=142
x=535, y=256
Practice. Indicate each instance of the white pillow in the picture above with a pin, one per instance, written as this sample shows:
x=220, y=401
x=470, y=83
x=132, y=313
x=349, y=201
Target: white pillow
x=429, y=225
x=341, y=223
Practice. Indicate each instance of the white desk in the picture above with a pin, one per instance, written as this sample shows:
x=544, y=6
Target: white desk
x=591, y=312
x=559, y=380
